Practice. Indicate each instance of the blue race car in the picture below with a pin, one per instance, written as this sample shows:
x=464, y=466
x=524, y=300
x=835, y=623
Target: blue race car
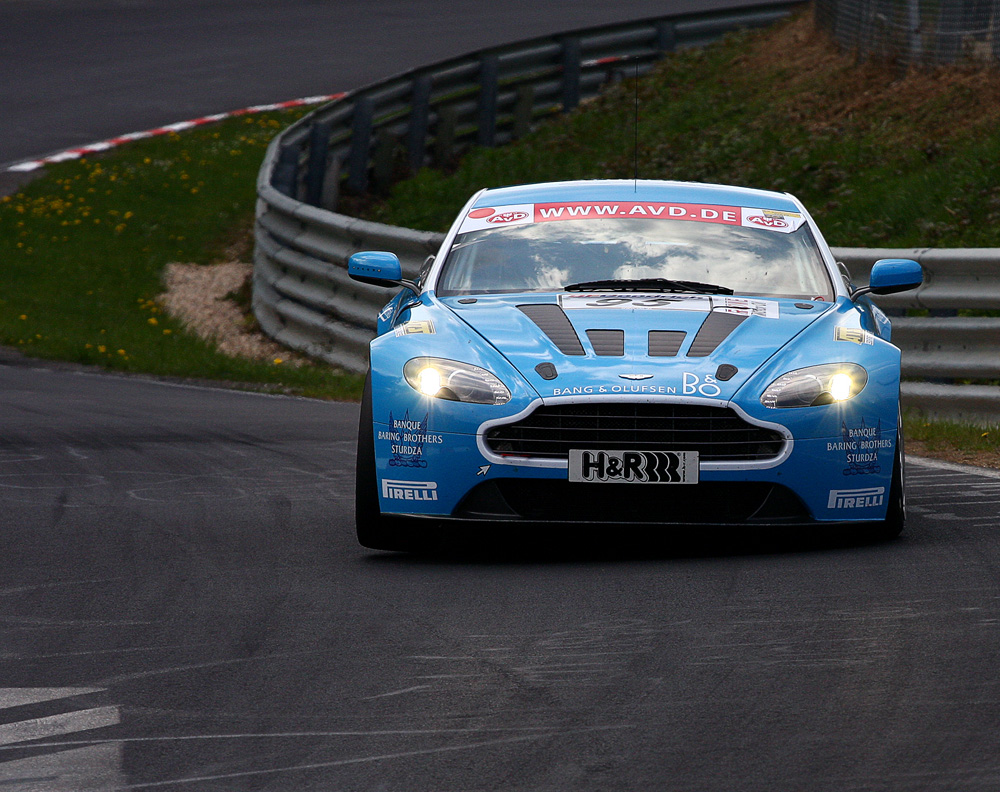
x=645, y=352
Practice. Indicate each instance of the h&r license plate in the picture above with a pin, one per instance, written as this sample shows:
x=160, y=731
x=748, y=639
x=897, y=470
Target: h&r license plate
x=635, y=467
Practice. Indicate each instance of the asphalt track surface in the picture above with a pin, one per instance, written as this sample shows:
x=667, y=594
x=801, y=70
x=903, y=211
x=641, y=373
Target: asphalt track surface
x=80, y=71
x=183, y=606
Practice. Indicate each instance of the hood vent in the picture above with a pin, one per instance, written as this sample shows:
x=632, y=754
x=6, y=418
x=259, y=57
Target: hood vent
x=556, y=325
x=714, y=330
x=607, y=343
x=665, y=343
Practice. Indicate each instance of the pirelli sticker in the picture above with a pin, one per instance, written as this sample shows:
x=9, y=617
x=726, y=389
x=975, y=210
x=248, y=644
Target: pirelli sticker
x=853, y=334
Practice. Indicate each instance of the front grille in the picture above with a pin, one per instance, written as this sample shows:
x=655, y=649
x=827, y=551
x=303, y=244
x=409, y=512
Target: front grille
x=716, y=433
x=710, y=502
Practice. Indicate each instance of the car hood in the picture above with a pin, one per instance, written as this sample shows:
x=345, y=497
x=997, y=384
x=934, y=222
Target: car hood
x=609, y=344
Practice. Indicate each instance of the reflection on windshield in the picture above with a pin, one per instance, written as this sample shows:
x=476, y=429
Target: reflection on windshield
x=548, y=256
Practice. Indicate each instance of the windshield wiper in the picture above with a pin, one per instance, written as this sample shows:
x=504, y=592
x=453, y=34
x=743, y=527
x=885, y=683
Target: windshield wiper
x=649, y=284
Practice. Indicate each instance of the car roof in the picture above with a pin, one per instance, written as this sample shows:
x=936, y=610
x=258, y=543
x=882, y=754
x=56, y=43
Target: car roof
x=637, y=190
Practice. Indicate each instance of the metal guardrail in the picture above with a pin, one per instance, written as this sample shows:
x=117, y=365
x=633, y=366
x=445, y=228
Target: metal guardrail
x=304, y=298
x=302, y=295
x=944, y=346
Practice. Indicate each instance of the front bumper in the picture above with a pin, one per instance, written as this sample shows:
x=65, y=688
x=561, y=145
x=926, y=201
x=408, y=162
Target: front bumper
x=843, y=475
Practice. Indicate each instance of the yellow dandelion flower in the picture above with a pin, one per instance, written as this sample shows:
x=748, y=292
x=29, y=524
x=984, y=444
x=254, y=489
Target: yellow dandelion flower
x=121, y=351
x=168, y=331
x=152, y=320
x=101, y=348
x=278, y=361
x=22, y=317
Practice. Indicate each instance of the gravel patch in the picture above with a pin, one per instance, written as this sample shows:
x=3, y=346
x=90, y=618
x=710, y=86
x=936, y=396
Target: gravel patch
x=196, y=296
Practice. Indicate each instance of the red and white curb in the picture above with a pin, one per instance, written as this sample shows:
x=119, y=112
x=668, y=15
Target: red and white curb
x=104, y=145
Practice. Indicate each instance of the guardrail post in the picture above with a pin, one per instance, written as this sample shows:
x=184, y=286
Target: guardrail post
x=286, y=172
x=416, y=134
x=666, y=36
x=331, y=185
x=361, y=142
x=444, y=135
x=523, y=111
x=384, y=159
x=489, y=79
x=319, y=147
x=571, y=73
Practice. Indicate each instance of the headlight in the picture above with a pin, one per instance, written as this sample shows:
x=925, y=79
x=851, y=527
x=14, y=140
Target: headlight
x=808, y=387
x=449, y=379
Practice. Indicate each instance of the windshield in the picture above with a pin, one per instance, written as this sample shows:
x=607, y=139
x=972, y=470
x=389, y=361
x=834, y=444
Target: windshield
x=549, y=256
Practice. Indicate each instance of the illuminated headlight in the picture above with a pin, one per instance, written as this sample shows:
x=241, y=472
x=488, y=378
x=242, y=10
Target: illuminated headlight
x=449, y=379
x=809, y=387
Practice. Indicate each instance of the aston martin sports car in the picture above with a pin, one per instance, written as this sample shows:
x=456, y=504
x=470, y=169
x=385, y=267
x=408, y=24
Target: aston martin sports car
x=648, y=353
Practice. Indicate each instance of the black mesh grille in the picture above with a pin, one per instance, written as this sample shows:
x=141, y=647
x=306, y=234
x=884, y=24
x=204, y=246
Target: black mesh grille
x=552, y=500
x=716, y=433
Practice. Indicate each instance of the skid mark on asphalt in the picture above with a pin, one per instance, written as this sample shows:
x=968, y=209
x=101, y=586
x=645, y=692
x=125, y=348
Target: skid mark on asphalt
x=547, y=735
x=414, y=689
x=13, y=590
x=295, y=735
x=109, y=682
x=592, y=654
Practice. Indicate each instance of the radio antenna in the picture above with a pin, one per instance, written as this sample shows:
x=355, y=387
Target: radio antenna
x=635, y=127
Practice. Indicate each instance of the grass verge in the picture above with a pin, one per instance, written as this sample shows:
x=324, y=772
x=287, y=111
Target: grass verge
x=83, y=248
x=881, y=159
x=965, y=443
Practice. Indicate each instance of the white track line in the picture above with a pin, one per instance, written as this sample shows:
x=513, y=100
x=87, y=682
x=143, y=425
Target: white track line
x=937, y=464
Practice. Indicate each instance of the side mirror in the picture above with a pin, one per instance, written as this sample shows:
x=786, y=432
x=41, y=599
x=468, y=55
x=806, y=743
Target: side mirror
x=379, y=268
x=892, y=275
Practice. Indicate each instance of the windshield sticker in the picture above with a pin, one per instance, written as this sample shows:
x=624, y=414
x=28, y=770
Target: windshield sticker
x=518, y=214
x=498, y=217
x=853, y=334
x=767, y=309
x=418, y=327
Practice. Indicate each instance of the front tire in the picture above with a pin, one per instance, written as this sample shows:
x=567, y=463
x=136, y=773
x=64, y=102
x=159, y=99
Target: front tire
x=895, y=517
x=374, y=529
